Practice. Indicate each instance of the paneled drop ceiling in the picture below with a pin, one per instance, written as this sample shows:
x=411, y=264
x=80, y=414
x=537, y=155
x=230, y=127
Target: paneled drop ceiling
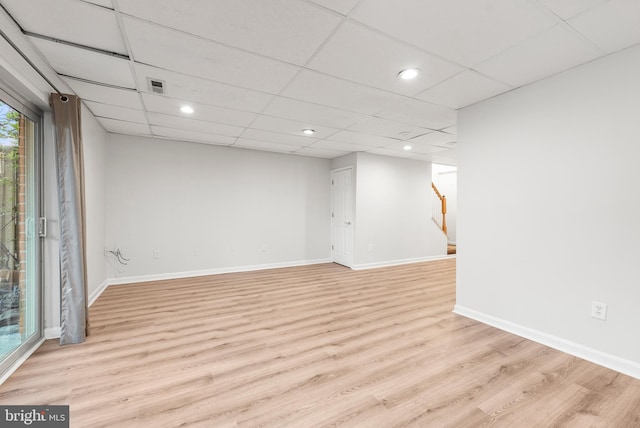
x=259, y=72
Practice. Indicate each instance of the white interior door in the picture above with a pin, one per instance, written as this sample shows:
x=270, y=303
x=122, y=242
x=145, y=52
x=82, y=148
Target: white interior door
x=342, y=216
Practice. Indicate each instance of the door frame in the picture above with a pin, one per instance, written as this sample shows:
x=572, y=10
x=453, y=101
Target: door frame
x=351, y=214
x=35, y=115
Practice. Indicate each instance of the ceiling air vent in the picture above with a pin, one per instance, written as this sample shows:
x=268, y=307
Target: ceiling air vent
x=156, y=86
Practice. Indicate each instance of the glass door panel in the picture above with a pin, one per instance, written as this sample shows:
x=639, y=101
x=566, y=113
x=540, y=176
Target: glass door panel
x=20, y=319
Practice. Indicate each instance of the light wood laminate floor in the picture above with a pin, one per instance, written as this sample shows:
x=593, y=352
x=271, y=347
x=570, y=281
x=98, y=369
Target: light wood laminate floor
x=313, y=346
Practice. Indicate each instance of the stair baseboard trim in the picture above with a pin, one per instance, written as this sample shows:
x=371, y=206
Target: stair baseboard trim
x=216, y=271
x=604, y=359
x=390, y=263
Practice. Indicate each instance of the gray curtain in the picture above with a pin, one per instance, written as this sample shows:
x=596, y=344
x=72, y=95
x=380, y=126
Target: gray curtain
x=74, y=321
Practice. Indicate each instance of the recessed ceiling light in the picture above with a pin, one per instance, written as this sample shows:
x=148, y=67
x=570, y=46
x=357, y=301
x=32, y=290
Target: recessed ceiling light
x=407, y=147
x=308, y=131
x=409, y=73
x=186, y=109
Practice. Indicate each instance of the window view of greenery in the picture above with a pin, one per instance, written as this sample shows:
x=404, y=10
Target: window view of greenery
x=10, y=288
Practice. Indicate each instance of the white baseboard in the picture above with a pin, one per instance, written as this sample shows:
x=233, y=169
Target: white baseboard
x=612, y=362
x=389, y=263
x=52, y=333
x=98, y=291
x=216, y=271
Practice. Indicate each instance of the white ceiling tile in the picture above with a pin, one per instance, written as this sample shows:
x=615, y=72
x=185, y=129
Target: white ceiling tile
x=435, y=139
x=334, y=145
x=451, y=130
x=312, y=113
x=387, y=128
x=463, y=89
x=362, y=55
x=123, y=127
x=268, y=123
x=103, y=3
x=105, y=94
x=463, y=31
x=321, y=89
x=568, y=8
x=86, y=64
x=362, y=139
x=171, y=106
x=416, y=148
x=612, y=26
x=288, y=30
x=445, y=157
x=116, y=112
x=264, y=145
x=183, y=123
x=550, y=52
x=200, y=137
x=397, y=153
x=203, y=91
x=341, y=6
x=277, y=137
x=71, y=21
x=173, y=50
x=420, y=113
x=321, y=153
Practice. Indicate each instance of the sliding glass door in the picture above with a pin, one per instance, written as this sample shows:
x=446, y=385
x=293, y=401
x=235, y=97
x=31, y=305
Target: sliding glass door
x=20, y=283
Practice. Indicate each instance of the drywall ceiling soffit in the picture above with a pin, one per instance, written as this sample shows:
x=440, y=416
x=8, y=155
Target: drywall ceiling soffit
x=264, y=72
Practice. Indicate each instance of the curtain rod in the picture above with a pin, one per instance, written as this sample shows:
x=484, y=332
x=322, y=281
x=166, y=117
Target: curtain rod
x=63, y=97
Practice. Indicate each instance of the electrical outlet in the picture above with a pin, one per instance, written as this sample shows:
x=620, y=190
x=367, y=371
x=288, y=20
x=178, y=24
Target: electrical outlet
x=156, y=254
x=599, y=310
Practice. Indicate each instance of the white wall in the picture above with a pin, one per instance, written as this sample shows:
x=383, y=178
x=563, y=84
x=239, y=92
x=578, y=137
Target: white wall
x=393, y=212
x=445, y=177
x=562, y=155
x=94, y=140
x=206, y=208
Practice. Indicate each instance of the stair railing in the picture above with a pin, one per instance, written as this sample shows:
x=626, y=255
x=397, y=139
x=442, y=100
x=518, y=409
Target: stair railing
x=443, y=203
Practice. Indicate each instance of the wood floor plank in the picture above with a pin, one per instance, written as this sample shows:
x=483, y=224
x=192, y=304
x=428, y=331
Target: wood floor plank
x=313, y=346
